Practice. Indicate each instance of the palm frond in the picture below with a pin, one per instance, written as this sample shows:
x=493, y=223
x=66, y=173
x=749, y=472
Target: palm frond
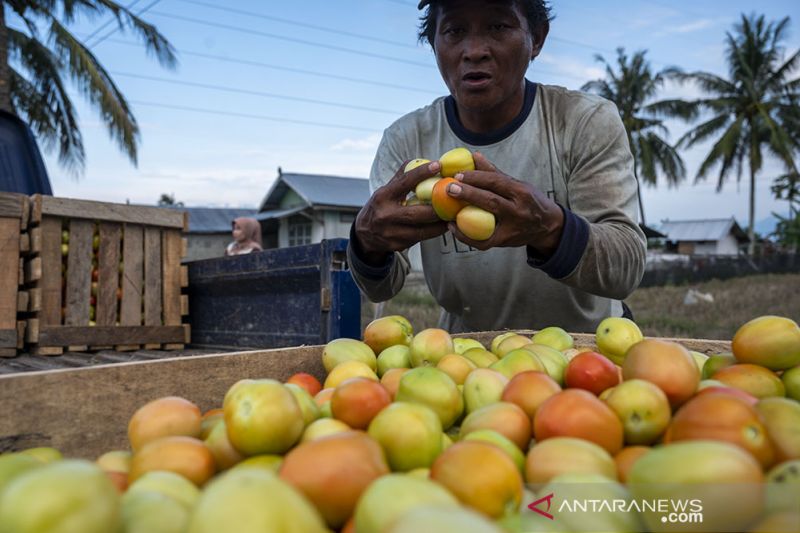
x=703, y=131
x=96, y=84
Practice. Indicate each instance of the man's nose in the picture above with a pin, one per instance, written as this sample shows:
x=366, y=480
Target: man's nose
x=476, y=48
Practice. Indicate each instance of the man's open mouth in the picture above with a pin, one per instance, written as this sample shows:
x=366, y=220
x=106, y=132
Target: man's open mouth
x=477, y=78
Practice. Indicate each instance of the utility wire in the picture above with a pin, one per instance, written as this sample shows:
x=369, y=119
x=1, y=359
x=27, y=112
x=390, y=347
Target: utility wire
x=109, y=21
x=259, y=64
x=113, y=31
x=228, y=9
x=292, y=39
x=251, y=116
x=256, y=93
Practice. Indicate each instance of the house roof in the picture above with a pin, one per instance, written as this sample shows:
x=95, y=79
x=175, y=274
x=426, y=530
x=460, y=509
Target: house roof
x=318, y=190
x=712, y=229
x=214, y=219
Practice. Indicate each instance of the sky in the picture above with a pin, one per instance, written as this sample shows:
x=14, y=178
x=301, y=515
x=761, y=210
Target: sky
x=310, y=85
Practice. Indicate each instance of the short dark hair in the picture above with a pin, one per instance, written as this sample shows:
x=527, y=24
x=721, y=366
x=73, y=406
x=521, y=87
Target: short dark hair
x=537, y=12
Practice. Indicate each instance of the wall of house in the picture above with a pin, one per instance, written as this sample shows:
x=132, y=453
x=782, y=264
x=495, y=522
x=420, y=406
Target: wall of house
x=727, y=246
x=206, y=246
x=291, y=199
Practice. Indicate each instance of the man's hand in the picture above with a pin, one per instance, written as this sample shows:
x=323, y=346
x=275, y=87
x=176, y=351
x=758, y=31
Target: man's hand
x=385, y=225
x=524, y=215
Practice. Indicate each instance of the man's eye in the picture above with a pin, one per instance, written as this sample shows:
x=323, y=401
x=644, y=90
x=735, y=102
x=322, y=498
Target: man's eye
x=453, y=31
x=500, y=27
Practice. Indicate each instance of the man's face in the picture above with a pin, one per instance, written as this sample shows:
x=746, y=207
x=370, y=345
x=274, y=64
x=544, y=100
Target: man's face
x=483, y=50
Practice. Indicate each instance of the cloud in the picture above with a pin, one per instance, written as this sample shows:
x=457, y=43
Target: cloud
x=364, y=144
x=687, y=27
x=569, y=67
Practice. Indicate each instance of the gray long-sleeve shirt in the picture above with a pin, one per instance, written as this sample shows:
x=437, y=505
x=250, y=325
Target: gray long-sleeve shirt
x=571, y=146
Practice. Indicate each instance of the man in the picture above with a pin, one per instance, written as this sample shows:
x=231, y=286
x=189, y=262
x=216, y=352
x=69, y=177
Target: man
x=553, y=165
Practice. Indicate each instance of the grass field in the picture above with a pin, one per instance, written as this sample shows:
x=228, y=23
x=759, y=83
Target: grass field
x=659, y=311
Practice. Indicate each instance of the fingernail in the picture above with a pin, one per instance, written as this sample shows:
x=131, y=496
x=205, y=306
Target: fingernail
x=459, y=177
x=434, y=167
x=454, y=189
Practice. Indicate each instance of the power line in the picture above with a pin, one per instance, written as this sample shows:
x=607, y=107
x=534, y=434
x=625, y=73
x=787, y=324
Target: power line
x=292, y=39
x=256, y=93
x=251, y=116
x=109, y=21
x=228, y=9
x=260, y=64
x=113, y=31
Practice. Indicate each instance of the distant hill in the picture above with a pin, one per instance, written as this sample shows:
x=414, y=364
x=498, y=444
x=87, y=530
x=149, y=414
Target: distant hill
x=765, y=226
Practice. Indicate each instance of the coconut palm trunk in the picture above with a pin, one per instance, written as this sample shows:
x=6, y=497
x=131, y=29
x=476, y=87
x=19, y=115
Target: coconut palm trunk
x=5, y=73
x=751, y=233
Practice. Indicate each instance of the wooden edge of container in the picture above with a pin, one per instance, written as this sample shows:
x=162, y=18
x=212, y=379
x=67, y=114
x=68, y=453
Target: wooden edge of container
x=110, y=212
x=104, y=397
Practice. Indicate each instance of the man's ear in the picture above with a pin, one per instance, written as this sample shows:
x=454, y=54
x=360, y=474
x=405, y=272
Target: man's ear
x=539, y=37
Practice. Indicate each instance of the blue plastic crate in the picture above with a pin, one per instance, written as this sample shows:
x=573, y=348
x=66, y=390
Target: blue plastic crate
x=275, y=298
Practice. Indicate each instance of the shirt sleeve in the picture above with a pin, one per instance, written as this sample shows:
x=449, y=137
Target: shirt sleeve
x=602, y=249
x=379, y=283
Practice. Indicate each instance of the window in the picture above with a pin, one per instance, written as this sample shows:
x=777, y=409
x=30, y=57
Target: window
x=299, y=231
x=347, y=218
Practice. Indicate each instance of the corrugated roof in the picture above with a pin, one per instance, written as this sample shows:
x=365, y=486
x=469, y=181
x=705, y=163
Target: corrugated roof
x=318, y=190
x=214, y=219
x=701, y=230
x=279, y=213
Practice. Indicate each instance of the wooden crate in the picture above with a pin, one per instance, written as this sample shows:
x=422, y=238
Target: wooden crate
x=14, y=244
x=84, y=412
x=104, y=275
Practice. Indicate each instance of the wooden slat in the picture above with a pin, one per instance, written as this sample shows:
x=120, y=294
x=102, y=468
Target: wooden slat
x=24, y=243
x=103, y=335
x=50, y=266
x=152, y=277
x=171, y=261
x=184, y=276
x=103, y=398
x=36, y=239
x=79, y=273
x=32, y=270
x=23, y=301
x=9, y=272
x=132, y=275
x=108, y=273
x=21, y=325
x=129, y=214
x=8, y=337
x=34, y=299
x=11, y=205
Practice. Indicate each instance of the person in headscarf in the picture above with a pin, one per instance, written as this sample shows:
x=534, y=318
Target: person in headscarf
x=246, y=237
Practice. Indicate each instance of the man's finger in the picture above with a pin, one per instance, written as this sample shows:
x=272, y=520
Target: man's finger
x=478, y=245
x=481, y=163
x=404, y=182
x=495, y=182
x=482, y=198
x=414, y=215
x=423, y=232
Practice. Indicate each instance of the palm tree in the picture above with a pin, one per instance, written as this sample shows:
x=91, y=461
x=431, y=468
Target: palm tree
x=755, y=108
x=36, y=58
x=632, y=89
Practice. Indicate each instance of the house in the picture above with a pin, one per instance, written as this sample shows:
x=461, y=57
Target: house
x=210, y=230
x=722, y=236
x=307, y=208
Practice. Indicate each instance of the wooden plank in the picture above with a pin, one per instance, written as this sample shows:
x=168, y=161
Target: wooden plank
x=21, y=324
x=32, y=331
x=36, y=239
x=23, y=301
x=184, y=276
x=8, y=352
x=152, y=277
x=88, y=209
x=50, y=269
x=108, y=273
x=132, y=274
x=26, y=213
x=103, y=335
x=79, y=273
x=8, y=337
x=171, y=262
x=34, y=299
x=9, y=272
x=11, y=205
x=24, y=243
x=104, y=397
x=184, y=304
x=32, y=270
